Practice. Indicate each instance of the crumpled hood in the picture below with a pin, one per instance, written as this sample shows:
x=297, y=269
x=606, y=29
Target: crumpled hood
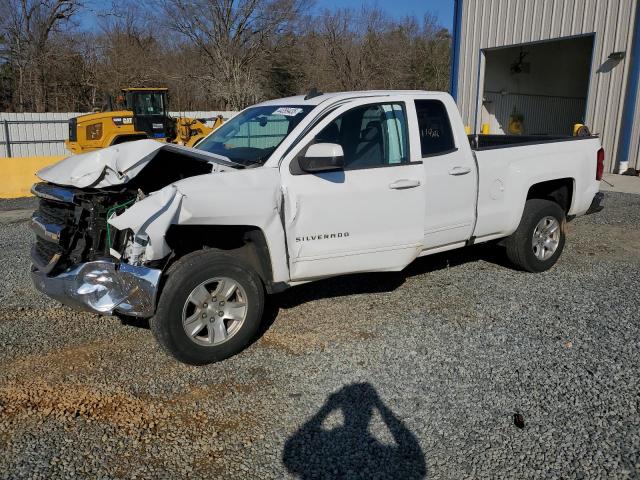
x=115, y=165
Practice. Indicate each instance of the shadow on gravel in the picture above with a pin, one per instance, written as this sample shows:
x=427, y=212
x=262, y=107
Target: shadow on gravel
x=386, y=282
x=134, y=322
x=349, y=450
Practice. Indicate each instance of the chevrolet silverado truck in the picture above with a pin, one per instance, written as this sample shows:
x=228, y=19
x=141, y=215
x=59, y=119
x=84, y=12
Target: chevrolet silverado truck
x=291, y=191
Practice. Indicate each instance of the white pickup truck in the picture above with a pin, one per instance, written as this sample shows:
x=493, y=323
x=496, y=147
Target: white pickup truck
x=289, y=191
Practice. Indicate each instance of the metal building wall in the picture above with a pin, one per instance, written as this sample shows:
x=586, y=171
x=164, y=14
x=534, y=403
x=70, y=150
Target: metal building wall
x=634, y=148
x=499, y=23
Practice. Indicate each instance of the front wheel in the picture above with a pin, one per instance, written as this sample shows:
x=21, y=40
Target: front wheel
x=209, y=309
x=539, y=240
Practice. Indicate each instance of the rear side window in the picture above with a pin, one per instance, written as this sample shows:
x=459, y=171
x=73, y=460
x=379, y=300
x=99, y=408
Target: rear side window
x=436, y=136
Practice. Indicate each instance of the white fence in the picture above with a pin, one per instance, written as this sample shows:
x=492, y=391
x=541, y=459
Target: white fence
x=43, y=134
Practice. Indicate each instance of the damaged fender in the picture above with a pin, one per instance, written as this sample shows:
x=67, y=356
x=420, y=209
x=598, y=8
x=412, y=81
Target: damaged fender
x=236, y=197
x=150, y=218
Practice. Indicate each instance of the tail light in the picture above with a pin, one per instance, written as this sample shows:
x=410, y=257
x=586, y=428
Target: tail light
x=600, y=164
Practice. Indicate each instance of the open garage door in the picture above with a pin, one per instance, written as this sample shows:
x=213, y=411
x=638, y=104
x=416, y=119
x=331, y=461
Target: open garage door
x=537, y=88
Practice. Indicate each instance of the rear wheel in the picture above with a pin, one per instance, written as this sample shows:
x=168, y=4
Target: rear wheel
x=539, y=240
x=210, y=308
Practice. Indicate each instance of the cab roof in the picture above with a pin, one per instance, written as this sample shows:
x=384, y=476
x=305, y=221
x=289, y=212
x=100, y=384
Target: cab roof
x=301, y=100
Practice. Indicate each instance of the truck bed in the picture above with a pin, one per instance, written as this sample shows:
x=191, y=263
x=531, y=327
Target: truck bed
x=487, y=142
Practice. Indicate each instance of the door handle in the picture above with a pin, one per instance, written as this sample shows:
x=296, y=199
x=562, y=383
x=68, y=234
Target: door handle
x=459, y=171
x=404, y=183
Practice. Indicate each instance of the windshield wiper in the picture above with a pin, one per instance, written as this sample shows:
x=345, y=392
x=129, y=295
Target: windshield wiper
x=254, y=165
x=262, y=158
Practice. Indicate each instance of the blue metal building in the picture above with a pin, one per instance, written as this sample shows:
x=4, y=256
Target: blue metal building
x=550, y=64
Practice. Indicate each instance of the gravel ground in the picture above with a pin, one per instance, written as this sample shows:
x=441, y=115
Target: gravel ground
x=411, y=375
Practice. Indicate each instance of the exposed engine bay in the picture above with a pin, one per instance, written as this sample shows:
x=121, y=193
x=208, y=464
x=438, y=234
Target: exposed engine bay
x=72, y=225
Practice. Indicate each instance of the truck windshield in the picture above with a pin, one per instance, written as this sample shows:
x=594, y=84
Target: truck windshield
x=251, y=136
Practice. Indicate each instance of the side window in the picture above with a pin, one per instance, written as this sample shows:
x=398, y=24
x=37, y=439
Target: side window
x=370, y=136
x=436, y=136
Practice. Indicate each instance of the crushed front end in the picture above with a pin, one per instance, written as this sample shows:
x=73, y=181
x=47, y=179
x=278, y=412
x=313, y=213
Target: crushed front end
x=76, y=254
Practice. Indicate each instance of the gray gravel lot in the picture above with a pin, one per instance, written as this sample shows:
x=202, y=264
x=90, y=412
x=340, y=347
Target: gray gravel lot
x=371, y=376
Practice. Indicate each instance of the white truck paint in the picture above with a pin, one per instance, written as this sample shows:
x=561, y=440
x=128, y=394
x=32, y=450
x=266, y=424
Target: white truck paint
x=424, y=189
x=387, y=228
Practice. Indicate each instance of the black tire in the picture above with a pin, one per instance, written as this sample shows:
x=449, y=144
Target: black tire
x=519, y=245
x=183, y=277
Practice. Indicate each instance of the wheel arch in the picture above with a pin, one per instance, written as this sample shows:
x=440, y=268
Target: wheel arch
x=560, y=191
x=246, y=242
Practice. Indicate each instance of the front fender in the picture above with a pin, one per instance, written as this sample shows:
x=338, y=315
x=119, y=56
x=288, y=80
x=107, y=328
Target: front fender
x=236, y=197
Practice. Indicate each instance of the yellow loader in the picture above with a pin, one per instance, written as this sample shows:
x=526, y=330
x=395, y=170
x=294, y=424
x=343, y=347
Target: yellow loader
x=138, y=113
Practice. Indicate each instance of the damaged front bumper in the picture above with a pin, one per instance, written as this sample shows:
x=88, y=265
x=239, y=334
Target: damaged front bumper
x=103, y=287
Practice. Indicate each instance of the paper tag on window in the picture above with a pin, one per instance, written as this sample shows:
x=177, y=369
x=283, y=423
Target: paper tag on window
x=287, y=111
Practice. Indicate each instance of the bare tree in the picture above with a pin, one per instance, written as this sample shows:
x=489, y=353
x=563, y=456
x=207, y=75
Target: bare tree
x=347, y=50
x=212, y=54
x=27, y=27
x=129, y=49
x=232, y=36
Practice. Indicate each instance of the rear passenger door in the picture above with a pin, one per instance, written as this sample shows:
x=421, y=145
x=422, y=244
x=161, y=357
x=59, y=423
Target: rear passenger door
x=450, y=176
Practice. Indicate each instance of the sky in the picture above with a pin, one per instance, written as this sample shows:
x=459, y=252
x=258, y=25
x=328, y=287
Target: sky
x=442, y=9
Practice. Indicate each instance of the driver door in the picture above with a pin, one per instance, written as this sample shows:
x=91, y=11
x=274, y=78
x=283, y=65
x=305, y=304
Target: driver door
x=368, y=216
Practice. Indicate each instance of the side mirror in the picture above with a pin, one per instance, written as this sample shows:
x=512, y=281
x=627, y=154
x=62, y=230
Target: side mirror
x=323, y=157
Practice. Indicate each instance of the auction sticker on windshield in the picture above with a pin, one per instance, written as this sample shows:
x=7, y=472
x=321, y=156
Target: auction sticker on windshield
x=287, y=111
